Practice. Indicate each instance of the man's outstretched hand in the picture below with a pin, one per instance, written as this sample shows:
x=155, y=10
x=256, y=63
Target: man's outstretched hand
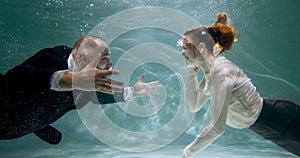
x=145, y=89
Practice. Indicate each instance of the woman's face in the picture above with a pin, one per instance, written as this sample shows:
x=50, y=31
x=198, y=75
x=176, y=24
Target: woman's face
x=189, y=51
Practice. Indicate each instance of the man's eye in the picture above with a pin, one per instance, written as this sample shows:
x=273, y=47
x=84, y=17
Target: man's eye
x=103, y=60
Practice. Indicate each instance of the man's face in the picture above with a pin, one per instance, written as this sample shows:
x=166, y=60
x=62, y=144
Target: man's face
x=105, y=62
x=89, y=50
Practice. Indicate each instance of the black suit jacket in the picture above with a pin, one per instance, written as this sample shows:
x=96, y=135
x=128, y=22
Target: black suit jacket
x=27, y=102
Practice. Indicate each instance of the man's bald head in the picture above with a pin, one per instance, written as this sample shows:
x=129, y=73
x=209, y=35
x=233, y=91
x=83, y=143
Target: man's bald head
x=87, y=48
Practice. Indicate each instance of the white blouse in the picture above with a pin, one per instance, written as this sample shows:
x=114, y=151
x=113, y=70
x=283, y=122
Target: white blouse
x=234, y=101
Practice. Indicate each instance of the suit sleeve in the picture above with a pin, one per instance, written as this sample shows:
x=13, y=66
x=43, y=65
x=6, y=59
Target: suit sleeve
x=104, y=98
x=35, y=72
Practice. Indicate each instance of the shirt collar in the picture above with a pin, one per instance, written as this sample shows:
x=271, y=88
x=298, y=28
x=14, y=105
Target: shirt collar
x=71, y=64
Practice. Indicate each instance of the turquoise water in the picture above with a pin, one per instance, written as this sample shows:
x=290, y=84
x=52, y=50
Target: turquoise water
x=267, y=51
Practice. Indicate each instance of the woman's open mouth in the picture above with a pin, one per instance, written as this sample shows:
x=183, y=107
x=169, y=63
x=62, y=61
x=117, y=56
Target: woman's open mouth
x=186, y=58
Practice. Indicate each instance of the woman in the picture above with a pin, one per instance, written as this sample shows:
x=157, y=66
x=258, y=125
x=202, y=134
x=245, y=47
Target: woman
x=233, y=98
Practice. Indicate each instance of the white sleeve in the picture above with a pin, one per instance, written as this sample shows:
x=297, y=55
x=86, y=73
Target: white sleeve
x=128, y=93
x=217, y=114
x=55, y=79
x=196, y=97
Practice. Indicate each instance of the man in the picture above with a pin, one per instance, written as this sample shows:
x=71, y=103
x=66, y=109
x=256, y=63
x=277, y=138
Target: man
x=42, y=89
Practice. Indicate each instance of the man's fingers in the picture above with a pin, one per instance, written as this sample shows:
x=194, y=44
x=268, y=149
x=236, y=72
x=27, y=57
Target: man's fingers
x=104, y=73
x=105, y=90
x=142, y=78
x=100, y=80
x=155, y=87
x=116, y=83
x=117, y=90
x=152, y=94
x=109, y=85
x=153, y=83
x=108, y=88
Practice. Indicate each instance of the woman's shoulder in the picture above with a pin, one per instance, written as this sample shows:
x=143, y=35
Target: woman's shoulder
x=223, y=66
x=225, y=69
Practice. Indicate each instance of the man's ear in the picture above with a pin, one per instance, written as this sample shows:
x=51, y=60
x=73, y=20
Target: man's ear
x=81, y=59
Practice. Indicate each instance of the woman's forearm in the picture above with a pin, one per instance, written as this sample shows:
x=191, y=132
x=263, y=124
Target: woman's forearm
x=196, y=97
x=191, y=90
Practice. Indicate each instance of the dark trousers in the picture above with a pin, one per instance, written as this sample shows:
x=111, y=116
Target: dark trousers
x=279, y=122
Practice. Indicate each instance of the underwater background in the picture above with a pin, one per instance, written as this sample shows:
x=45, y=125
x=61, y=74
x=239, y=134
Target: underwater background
x=267, y=50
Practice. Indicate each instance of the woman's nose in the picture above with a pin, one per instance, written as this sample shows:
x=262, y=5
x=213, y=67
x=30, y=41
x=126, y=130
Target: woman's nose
x=182, y=53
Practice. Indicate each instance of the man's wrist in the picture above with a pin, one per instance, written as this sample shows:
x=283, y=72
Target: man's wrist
x=55, y=80
x=66, y=80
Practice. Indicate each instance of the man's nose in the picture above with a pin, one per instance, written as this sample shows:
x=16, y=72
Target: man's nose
x=109, y=63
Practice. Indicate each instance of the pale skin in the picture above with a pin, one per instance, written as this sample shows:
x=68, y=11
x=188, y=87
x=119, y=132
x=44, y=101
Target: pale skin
x=198, y=57
x=196, y=60
x=91, y=79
